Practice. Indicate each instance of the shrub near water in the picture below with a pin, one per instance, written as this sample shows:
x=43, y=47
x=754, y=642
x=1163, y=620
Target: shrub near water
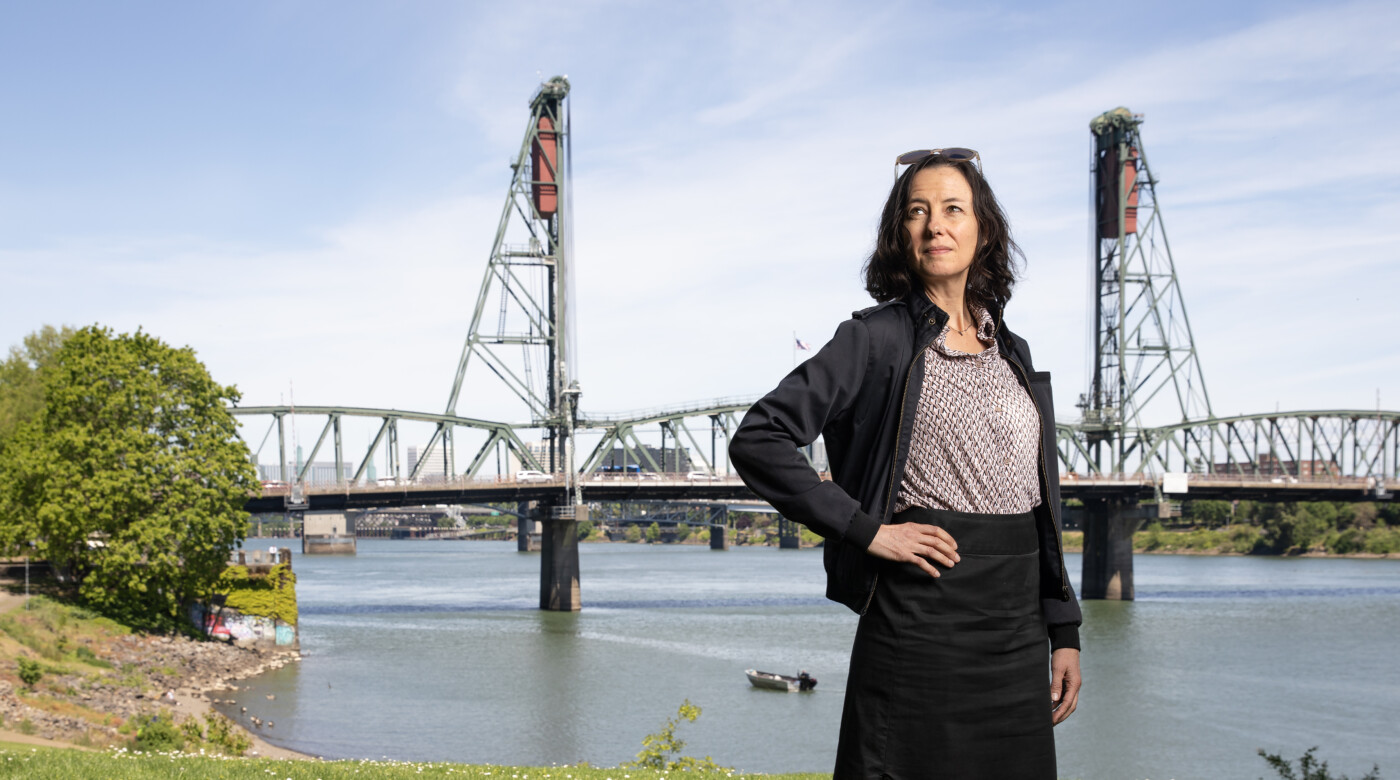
x=159, y=734
x=273, y=596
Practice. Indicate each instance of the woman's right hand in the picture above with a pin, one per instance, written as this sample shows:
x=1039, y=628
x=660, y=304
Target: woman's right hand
x=915, y=543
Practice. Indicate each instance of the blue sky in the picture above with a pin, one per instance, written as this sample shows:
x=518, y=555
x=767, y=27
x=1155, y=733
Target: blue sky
x=306, y=192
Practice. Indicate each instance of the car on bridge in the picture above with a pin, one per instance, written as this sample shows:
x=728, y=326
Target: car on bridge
x=702, y=476
x=530, y=475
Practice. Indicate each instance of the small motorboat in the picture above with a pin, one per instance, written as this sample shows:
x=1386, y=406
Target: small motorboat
x=781, y=682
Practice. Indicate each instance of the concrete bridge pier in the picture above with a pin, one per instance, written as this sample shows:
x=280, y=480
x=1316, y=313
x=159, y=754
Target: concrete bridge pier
x=527, y=527
x=788, y=538
x=719, y=528
x=559, y=591
x=1109, y=525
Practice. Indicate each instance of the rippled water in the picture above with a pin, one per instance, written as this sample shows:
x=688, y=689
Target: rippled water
x=435, y=651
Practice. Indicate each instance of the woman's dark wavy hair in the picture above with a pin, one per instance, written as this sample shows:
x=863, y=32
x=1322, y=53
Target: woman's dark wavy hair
x=889, y=272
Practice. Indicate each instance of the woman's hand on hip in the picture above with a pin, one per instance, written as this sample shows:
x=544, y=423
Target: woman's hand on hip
x=1064, y=683
x=915, y=543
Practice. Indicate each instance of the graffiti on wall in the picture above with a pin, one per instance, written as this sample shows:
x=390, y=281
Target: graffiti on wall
x=231, y=625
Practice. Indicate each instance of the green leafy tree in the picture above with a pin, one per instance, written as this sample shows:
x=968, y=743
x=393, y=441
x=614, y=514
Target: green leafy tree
x=633, y=534
x=21, y=391
x=131, y=477
x=653, y=533
x=1295, y=527
x=1211, y=514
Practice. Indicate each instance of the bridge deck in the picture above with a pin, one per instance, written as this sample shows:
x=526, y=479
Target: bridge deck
x=1139, y=487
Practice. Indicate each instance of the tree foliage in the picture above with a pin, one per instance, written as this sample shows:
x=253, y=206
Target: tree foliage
x=131, y=477
x=1284, y=528
x=21, y=391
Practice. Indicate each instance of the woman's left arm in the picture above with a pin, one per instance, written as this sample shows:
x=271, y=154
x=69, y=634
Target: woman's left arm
x=1064, y=683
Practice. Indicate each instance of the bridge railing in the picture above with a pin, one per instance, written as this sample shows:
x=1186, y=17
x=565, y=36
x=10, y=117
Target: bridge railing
x=674, y=410
x=1222, y=478
x=274, y=488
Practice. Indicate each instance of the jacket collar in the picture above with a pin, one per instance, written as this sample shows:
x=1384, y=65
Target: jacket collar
x=922, y=310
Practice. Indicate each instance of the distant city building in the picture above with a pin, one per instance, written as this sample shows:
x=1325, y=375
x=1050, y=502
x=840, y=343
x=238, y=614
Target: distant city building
x=434, y=469
x=676, y=461
x=319, y=473
x=539, y=450
x=1271, y=466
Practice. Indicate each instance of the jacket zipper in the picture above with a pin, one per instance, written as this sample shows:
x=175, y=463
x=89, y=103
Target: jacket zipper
x=1045, y=478
x=894, y=461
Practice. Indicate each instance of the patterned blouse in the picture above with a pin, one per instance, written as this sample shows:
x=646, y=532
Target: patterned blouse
x=976, y=440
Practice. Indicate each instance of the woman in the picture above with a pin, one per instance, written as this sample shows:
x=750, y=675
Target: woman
x=941, y=516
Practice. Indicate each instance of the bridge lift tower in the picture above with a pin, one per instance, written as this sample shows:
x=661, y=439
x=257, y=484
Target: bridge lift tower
x=522, y=332
x=1145, y=361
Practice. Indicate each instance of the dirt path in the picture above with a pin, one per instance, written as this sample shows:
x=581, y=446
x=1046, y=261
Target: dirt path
x=25, y=739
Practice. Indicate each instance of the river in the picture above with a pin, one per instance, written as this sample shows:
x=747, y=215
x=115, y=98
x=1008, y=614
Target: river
x=433, y=650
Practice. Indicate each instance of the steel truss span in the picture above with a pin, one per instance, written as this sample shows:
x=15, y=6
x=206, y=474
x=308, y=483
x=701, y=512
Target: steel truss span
x=386, y=437
x=1308, y=446
x=702, y=430
x=677, y=427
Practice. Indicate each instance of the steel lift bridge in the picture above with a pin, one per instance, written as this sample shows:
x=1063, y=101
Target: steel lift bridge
x=1146, y=431
x=521, y=336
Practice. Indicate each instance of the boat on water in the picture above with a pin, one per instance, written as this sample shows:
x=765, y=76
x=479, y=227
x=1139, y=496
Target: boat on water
x=781, y=682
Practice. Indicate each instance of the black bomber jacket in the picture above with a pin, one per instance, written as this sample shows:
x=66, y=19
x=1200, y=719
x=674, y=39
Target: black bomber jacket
x=860, y=392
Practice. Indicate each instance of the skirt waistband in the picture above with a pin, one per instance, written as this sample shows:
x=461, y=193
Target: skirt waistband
x=980, y=534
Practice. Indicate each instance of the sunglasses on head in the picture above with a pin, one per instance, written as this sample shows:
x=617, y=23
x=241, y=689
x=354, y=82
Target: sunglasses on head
x=952, y=153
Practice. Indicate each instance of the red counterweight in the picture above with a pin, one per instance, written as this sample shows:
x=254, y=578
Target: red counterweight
x=1108, y=200
x=544, y=164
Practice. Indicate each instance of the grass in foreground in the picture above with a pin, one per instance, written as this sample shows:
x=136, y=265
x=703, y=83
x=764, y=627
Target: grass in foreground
x=23, y=761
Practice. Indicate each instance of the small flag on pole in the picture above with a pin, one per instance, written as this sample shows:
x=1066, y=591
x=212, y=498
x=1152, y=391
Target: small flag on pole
x=802, y=345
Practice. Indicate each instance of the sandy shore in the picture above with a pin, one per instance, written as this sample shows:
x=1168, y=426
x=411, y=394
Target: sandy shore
x=195, y=702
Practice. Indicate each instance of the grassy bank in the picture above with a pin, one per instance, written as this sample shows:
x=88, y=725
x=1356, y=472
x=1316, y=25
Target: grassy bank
x=22, y=761
x=70, y=675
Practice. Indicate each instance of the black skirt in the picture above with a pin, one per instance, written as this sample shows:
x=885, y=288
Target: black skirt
x=950, y=675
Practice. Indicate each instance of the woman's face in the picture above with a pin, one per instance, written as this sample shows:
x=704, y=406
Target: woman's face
x=941, y=225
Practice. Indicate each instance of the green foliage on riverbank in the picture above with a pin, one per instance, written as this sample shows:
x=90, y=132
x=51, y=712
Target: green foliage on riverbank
x=1291, y=528
x=1258, y=528
x=1241, y=539
x=129, y=478
x=273, y=595
x=20, y=761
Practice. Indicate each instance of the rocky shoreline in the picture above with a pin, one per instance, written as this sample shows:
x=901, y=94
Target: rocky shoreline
x=148, y=674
